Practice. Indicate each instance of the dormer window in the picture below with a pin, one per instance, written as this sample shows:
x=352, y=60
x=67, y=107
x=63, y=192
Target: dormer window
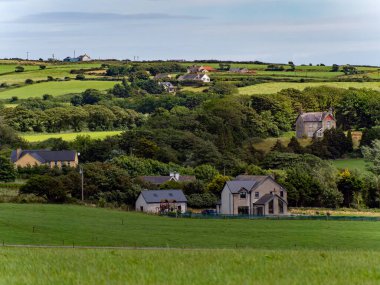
x=243, y=195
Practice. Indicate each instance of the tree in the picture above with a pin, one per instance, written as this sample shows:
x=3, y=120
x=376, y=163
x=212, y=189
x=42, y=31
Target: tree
x=205, y=172
x=350, y=185
x=7, y=170
x=223, y=88
x=80, y=77
x=48, y=187
x=335, y=68
x=372, y=154
x=91, y=97
x=29, y=81
x=294, y=146
x=19, y=69
x=349, y=70
x=217, y=184
x=42, y=67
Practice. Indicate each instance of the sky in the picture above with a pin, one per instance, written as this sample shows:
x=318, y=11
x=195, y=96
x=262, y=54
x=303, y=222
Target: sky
x=302, y=31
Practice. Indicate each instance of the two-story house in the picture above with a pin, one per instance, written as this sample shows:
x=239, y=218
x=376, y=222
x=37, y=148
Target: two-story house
x=25, y=158
x=253, y=195
x=314, y=124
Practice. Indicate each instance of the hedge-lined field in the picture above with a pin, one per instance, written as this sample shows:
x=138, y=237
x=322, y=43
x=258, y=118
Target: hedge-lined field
x=55, y=88
x=37, y=137
x=271, y=88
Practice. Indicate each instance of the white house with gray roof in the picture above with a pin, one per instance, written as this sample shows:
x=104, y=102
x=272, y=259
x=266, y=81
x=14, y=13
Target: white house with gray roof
x=253, y=195
x=159, y=201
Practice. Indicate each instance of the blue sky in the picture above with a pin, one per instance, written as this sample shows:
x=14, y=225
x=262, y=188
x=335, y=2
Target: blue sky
x=317, y=31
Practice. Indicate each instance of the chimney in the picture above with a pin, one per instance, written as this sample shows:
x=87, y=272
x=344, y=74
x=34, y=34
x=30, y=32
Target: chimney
x=176, y=176
x=18, y=153
x=171, y=174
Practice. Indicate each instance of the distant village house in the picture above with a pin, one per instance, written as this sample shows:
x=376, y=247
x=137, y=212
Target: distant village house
x=239, y=70
x=168, y=86
x=309, y=125
x=195, y=77
x=25, y=158
x=80, y=58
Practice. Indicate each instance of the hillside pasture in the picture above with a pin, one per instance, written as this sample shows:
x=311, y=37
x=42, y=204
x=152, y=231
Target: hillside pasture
x=351, y=164
x=39, y=137
x=55, y=88
x=272, y=88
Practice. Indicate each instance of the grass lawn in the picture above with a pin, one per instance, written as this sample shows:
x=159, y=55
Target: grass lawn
x=58, y=225
x=267, y=144
x=177, y=267
x=271, y=88
x=35, y=137
x=55, y=88
x=351, y=164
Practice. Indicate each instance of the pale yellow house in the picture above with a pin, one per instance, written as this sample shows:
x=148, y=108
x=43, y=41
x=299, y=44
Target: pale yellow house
x=25, y=158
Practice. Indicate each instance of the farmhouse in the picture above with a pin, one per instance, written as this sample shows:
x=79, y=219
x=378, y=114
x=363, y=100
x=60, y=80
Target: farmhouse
x=253, y=195
x=314, y=124
x=174, y=176
x=239, y=70
x=80, y=58
x=161, y=76
x=195, y=77
x=161, y=201
x=168, y=86
x=24, y=158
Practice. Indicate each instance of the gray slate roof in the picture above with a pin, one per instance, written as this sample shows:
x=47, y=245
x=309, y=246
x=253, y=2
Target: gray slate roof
x=315, y=116
x=236, y=186
x=265, y=199
x=191, y=76
x=163, y=179
x=45, y=156
x=158, y=196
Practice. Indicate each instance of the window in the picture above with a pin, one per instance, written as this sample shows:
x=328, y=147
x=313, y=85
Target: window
x=141, y=208
x=243, y=195
x=257, y=195
x=243, y=210
x=271, y=211
x=69, y=163
x=280, y=207
x=179, y=208
x=55, y=163
x=282, y=193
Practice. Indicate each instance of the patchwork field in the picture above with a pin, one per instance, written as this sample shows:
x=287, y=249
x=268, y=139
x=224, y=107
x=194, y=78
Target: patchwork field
x=271, y=88
x=36, y=137
x=55, y=88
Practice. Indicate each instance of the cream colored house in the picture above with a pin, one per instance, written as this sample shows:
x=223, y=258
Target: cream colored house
x=25, y=158
x=159, y=201
x=254, y=195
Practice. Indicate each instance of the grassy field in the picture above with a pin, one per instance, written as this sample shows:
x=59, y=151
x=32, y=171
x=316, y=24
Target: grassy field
x=271, y=88
x=55, y=88
x=65, y=225
x=214, y=251
x=351, y=164
x=33, y=72
x=267, y=144
x=36, y=137
x=70, y=266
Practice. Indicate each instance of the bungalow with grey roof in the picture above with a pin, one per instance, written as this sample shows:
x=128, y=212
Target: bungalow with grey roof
x=253, y=195
x=161, y=201
x=25, y=158
x=195, y=77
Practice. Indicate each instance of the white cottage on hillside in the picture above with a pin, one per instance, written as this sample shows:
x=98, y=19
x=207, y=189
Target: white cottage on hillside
x=253, y=195
x=158, y=201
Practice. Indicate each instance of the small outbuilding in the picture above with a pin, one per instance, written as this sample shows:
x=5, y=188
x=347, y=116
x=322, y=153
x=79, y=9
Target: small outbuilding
x=161, y=201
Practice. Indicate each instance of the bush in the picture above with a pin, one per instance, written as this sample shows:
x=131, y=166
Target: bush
x=80, y=77
x=29, y=81
x=19, y=69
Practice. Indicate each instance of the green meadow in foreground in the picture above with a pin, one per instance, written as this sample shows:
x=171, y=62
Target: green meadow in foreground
x=37, y=137
x=55, y=88
x=271, y=88
x=74, y=266
x=66, y=224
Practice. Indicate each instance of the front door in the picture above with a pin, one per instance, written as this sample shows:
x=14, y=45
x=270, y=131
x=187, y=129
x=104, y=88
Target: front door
x=260, y=211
